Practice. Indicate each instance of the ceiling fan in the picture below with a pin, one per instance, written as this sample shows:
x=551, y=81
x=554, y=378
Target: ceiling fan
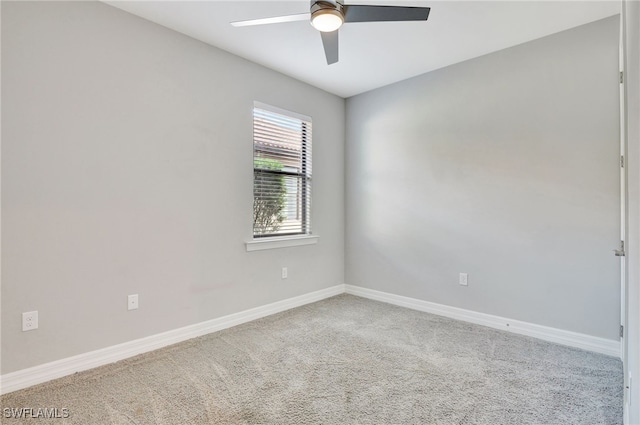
x=327, y=16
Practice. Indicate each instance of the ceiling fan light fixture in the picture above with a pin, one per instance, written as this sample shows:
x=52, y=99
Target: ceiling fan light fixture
x=327, y=20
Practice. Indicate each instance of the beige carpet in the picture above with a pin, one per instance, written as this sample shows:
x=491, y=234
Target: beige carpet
x=345, y=360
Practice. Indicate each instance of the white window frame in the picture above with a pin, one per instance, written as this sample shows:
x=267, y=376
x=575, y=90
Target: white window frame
x=274, y=241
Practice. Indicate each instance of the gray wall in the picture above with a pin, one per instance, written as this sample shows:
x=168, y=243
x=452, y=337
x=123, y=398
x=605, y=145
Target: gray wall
x=504, y=167
x=127, y=168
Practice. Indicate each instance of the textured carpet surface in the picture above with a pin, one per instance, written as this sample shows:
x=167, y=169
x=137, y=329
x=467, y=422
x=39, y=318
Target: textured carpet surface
x=344, y=360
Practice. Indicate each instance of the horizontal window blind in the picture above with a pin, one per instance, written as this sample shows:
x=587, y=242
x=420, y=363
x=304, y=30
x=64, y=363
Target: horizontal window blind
x=282, y=173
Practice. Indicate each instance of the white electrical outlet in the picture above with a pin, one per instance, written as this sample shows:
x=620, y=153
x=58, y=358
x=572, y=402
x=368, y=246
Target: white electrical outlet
x=463, y=279
x=29, y=321
x=285, y=273
x=132, y=302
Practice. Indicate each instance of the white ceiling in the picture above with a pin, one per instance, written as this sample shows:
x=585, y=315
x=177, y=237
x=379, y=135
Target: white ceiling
x=371, y=54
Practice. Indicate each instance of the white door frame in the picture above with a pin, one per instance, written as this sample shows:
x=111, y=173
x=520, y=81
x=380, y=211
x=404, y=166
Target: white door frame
x=623, y=183
x=623, y=208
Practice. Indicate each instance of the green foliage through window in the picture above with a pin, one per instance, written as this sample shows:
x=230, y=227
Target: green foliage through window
x=268, y=205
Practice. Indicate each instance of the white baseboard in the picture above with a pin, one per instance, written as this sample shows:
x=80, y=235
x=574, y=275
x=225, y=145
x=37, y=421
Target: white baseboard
x=559, y=336
x=42, y=373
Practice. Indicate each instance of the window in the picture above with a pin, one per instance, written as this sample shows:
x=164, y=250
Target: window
x=281, y=172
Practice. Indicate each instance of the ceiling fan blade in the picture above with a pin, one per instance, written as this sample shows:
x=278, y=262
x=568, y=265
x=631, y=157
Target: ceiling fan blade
x=330, y=43
x=274, y=20
x=363, y=13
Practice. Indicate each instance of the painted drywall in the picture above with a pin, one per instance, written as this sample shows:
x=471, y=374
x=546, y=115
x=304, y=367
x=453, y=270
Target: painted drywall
x=504, y=167
x=127, y=169
x=632, y=86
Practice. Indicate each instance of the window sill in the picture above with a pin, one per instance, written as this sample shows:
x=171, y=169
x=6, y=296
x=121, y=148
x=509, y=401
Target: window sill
x=280, y=242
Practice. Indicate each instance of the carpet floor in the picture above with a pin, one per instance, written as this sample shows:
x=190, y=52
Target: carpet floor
x=344, y=360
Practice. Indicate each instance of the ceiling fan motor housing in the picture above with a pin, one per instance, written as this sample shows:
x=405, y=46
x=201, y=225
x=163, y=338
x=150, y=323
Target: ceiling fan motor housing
x=322, y=8
x=334, y=5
